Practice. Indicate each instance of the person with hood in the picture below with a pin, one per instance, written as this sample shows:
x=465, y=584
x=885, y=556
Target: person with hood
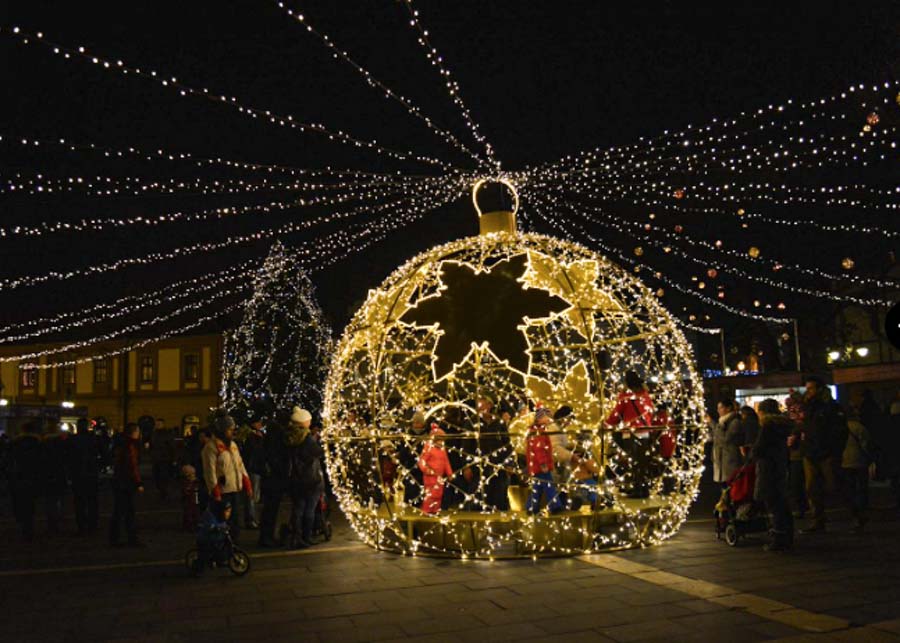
x=306, y=482
x=162, y=456
x=84, y=472
x=727, y=440
x=276, y=469
x=408, y=455
x=435, y=466
x=769, y=452
x=223, y=468
x=633, y=415
x=822, y=435
x=126, y=484
x=24, y=475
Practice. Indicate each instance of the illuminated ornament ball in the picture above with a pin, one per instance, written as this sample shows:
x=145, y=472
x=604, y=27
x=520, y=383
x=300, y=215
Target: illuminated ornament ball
x=524, y=320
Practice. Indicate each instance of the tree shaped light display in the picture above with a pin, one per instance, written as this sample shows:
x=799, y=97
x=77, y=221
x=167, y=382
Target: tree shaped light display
x=278, y=356
x=513, y=318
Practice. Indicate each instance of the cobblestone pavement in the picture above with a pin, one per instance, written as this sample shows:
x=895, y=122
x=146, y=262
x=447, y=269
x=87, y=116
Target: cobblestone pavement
x=833, y=587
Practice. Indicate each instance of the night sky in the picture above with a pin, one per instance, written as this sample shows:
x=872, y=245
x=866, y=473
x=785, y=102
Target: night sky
x=543, y=79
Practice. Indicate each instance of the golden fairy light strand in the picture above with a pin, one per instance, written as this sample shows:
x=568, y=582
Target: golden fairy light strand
x=198, y=161
x=154, y=257
x=619, y=224
x=660, y=276
x=451, y=85
x=373, y=82
x=171, y=82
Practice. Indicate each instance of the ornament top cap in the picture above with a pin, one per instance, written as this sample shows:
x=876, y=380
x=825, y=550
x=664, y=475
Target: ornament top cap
x=498, y=221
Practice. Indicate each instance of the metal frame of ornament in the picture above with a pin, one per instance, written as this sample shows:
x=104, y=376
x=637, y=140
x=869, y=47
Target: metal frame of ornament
x=383, y=371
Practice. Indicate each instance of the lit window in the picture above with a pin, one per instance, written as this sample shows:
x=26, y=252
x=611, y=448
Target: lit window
x=147, y=368
x=101, y=371
x=191, y=367
x=29, y=378
x=68, y=375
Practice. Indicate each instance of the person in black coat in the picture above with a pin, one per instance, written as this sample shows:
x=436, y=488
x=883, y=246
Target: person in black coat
x=24, y=472
x=408, y=452
x=305, y=480
x=84, y=472
x=275, y=471
x=497, y=451
x=770, y=454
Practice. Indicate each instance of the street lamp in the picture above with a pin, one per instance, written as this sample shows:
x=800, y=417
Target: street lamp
x=66, y=404
x=834, y=355
x=4, y=401
x=862, y=351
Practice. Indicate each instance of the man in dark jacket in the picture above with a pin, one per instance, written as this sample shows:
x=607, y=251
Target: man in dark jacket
x=254, y=460
x=305, y=481
x=275, y=473
x=55, y=476
x=126, y=484
x=84, y=472
x=770, y=453
x=823, y=435
x=496, y=449
x=408, y=452
x=162, y=455
x=24, y=471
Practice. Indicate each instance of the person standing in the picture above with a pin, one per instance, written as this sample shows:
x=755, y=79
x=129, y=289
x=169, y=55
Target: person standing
x=633, y=415
x=24, y=474
x=823, y=435
x=796, y=477
x=276, y=469
x=539, y=457
x=306, y=483
x=55, y=476
x=408, y=455
x=727, y=441
x=749, y=430
x=162, y=455
x=855, y=467
x=497, y=455
x=770, y=453
x=126, y=485
x=223, y=468
x=436, y=470
x=254, y=459
x=84, y=471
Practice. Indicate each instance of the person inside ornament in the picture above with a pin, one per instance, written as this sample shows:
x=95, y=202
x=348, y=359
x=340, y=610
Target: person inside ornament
x=539, y=456
x=408, y=457
x=497, y=456
x=435, y=467
x=633, y=416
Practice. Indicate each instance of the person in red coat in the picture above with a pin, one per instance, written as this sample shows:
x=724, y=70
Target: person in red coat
x=126, y=485
x=634, y=415
x=435, y=467
x=539, y=456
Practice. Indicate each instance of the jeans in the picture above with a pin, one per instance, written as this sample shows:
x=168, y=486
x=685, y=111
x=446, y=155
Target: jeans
x=84, y=491
x=123, y=512
x=856, y=488
x=819, y=481
x=303, y=514
x=271, y=502
x=542, y=487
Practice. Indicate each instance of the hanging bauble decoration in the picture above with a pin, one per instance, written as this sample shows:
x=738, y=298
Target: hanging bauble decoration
x=872, y=119
x=741, y=212
x=678, y=194
x=679, y=229
x=504, y=318
x=753, y=252
x=712, y=273
x=638, y=251
x=847, y=263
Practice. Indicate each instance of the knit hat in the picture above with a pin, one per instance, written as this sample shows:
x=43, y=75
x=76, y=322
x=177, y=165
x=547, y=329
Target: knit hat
x=299, y=415
x=188, y=471
x=418, y=418
x=542, y=412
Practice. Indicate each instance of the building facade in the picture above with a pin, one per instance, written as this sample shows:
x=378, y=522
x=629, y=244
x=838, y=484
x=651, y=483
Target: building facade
x=172, y=379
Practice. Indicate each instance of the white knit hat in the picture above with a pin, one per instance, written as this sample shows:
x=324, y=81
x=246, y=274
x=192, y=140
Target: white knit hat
x=299, y=415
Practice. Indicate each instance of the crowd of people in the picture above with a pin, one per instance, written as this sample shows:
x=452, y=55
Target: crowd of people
x=810, y=448
x=222, y=469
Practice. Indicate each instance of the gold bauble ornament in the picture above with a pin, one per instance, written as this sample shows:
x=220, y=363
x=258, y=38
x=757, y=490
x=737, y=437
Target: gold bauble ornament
x=753, y=252
x=638, y=251
x=512, y=317
x=847, y=263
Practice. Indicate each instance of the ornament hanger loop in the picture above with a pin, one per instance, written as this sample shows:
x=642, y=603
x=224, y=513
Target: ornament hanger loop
x=503, y=180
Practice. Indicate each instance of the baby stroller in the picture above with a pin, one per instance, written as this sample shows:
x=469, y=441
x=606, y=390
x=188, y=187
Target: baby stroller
x=736, y=513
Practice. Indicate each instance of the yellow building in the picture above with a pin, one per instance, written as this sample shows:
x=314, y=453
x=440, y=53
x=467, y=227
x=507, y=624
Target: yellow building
x=171, y=379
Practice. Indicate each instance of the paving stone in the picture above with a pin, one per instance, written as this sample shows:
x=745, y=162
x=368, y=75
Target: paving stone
x=661, y=628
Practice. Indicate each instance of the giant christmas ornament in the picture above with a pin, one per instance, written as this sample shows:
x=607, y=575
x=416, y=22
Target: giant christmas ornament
x=520, y=321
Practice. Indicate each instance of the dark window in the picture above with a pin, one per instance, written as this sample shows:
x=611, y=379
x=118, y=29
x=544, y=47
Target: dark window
x=192, y=367
x=101, y=371
x=29, y=377
x=68, y=375
x=147, y=368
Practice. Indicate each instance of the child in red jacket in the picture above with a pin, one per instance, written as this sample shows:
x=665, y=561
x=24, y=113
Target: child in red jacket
x=539, y=455
x=435, y=466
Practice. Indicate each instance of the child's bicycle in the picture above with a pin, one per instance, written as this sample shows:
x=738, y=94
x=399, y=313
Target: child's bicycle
x=223, y=552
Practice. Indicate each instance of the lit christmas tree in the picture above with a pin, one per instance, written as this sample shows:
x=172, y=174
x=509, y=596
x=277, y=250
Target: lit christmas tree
x=278, y=356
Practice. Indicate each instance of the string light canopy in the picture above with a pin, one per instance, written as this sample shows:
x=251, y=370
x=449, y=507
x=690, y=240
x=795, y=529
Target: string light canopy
x=484, y=326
